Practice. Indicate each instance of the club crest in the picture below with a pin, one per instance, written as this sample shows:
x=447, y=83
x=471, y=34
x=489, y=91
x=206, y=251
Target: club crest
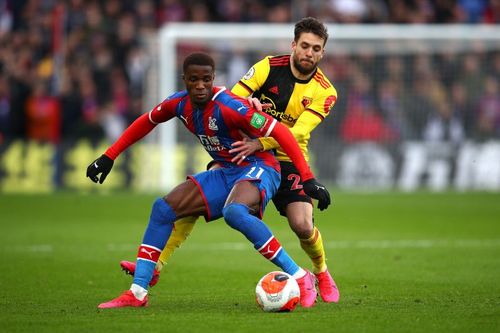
x=212, y=124
x=306, y=101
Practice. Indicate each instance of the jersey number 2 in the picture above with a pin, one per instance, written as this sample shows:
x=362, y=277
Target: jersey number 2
x=296, y=180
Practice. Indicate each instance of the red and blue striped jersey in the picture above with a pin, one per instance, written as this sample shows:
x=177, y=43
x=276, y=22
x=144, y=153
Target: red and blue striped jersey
x=217, y=126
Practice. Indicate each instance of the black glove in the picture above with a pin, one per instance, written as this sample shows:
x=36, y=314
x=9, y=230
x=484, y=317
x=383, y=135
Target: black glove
x=317, y=191
x=101, y=165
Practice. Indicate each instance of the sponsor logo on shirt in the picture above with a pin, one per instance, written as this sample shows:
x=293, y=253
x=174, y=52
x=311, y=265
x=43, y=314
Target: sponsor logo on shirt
x=278, y=115
x=210, y=143
x=329, y=102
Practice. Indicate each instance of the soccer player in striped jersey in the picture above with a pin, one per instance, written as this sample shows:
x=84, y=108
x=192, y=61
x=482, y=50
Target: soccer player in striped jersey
x=300, y=97
x=238, y=191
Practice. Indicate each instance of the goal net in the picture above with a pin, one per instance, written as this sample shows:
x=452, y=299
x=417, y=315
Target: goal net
x=418, y=106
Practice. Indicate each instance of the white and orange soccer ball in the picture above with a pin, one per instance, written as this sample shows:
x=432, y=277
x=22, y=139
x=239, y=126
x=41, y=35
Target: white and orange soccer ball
x=277, y=292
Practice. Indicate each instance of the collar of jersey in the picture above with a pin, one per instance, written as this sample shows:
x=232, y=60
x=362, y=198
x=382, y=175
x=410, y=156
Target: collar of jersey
x=217, y=91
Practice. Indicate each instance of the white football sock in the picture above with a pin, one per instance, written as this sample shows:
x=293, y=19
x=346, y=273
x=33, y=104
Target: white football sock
x=138, y=291
x=298, y=274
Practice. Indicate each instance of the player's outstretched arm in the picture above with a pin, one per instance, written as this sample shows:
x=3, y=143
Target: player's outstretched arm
x=300, y=131
x=103, y=164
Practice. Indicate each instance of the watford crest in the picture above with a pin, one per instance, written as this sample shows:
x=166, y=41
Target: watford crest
x=306, y=101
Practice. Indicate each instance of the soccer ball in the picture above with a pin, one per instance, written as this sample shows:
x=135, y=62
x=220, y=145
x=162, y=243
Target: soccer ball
x=277, y=292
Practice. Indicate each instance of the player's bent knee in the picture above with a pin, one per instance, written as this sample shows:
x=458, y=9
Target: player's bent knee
x=162, y=213
x=233, y=212
x=303, y=233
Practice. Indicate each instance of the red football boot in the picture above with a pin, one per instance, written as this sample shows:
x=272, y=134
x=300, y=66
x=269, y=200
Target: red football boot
x=327, y=287
x=308, y=291
x=125, y=299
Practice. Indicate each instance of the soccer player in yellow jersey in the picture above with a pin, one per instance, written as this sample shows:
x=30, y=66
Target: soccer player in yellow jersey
x=300, y=96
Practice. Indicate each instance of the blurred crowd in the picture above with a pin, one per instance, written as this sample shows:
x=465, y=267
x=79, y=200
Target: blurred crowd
x=442, y=97
x=74, y=68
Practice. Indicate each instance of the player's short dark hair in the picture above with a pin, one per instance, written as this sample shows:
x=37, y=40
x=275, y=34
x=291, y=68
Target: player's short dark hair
x=199, y=58
x=310, y=24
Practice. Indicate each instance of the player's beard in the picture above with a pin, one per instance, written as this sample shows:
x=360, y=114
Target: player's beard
x=302, y=70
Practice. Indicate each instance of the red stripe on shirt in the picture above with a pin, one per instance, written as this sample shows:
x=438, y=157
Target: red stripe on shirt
x=280, y=61
x=321, y=79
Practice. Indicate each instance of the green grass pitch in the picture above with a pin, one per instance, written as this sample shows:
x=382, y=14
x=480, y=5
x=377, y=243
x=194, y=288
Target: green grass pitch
x=418, y=262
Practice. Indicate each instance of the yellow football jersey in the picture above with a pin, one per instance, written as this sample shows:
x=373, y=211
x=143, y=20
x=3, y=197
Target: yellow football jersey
x=271, y=81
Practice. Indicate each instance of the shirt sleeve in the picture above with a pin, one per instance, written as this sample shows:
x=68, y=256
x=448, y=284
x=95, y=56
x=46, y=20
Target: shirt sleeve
x=141, y=127
x=284, y=137
x=302, y=129
x=323, y=103
x=163, y=111
x=253, y=79
x=263, y=125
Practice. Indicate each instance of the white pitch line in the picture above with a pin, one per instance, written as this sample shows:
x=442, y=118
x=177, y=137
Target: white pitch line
x=413, y=243
x=360, y=244
x=32, y=248
x=244, y=246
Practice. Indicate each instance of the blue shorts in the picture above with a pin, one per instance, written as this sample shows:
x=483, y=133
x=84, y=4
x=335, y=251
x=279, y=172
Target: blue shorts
x=215, y=186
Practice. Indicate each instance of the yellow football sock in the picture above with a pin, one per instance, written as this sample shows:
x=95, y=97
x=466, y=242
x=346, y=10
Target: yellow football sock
x=313, y=246
x=182, y=229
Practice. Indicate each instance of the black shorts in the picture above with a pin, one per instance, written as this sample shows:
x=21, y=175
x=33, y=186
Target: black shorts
x=290, y=189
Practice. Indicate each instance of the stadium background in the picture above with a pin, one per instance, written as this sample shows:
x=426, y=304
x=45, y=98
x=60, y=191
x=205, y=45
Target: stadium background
x=74, y=73
x=414, y=112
